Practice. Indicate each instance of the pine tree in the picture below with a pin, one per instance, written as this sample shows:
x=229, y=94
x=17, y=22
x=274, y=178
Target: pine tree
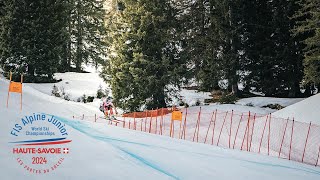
x=143, y=53
x=32, y=38
x=307, y=26
x=87, y=32
x=273, y=57
x=212, y=42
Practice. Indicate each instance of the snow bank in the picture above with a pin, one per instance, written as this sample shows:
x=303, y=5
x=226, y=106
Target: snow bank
x=307, y=110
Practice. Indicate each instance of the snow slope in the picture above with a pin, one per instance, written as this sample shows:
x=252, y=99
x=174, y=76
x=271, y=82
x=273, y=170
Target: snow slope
x=74, y=84
x=307, y=110
x=99, y=151
x=263, y=101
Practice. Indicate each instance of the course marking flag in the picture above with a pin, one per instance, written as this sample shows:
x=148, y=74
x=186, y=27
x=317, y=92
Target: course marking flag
x=176, y=115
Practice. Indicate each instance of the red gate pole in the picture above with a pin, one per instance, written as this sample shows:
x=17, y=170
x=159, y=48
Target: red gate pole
x=305, y=145
x=224, y=120
x=230, y=128
x=291, y=139
x=284, y=133
x=254, y=120
x=214, y=126
x=269, y=134
x=263, y=133
x=205, y=139
x=235, y=138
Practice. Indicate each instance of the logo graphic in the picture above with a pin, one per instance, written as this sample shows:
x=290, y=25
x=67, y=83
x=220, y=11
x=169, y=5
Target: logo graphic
x=39, y=143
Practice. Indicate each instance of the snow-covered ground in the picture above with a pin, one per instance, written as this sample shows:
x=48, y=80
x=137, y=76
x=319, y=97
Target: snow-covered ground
x=263, y=101
x=307, y=110
x=100, y=151
x=74, y=84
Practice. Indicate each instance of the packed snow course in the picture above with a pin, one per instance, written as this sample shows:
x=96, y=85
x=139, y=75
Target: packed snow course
x=101, y=151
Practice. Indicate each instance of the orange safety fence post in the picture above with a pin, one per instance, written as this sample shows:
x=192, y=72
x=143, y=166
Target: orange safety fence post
x=269, y=135
x=245, y=133
x=150, y=126
x=291, y=140
x=305, y=145
x=129, y=123
x=205, y=139
x=180, y=132
x=10, y=74
x=176, y=115
x=124, y=122
x=141, y=125
x=199, y=125
x=248, y=131
x=284, y=133
x=161, y=121
x=134, y=121
x=145, y=122
x=263, y=133
x=185, y=124
x=164, y=122
x=254, y=120
x=196, y=128
x=224, y=120
x=156, y=121
x=214, y=126
x=230, y=127
x=235, y=138
x=172, y=129
x=16, y=88
x=318, y=157
x=21, y=93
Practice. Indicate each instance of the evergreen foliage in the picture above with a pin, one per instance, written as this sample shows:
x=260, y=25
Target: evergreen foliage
x=144, y=54
x=308, y=26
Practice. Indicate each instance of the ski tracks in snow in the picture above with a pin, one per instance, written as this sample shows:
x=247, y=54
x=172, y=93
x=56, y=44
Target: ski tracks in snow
x=127, y=154
x=139, y=160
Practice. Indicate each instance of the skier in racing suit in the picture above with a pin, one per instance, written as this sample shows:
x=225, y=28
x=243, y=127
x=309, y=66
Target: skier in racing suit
x=108, y=108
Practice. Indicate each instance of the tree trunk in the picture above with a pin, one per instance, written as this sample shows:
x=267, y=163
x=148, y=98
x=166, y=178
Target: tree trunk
x=79, y=39
x=235, y=89
x=294, y=90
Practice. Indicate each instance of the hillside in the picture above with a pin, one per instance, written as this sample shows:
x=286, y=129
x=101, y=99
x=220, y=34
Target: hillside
x=107, y=151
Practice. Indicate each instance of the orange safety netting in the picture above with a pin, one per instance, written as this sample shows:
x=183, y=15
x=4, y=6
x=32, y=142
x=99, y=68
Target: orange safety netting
x=263, y=134
x=150, y=113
